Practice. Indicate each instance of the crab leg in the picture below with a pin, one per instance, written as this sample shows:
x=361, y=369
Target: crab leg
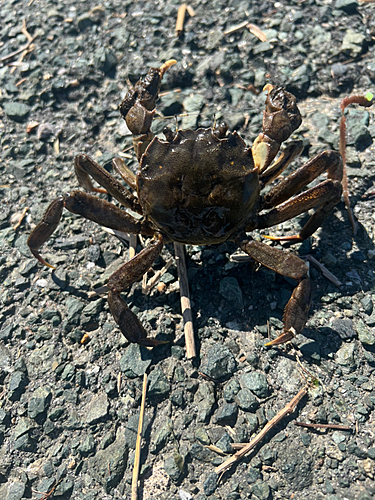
x=85, y=167
x=329, y=161
x=100, y=211
x=292, y=151
x=129, y=273
x=324, y=196
x=129, y=177
x=291, y=266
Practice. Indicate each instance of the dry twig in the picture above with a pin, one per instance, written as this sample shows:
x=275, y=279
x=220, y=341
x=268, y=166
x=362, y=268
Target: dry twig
x=289, y=408
x=148, y=285
x=365, y=101
x=179, y=250
x=256, y=32
x=238, y=27
x=181, y=13
x=324, y=270
x=325, y=426
x=137, y=456
x=47, y=495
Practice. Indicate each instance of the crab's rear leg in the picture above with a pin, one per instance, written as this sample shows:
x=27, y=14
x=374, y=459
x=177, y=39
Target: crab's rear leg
x=129, y=273
x=291, y=266
x=324, y=196
x=100, y=211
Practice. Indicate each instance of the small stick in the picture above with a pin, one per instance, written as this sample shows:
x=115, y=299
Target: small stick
x=46, y=496
x=289, y=408
x=20, y=218
x=324, y=426
x=185, y=300
x=12, y=54
x=365, y=101
x=254, y=30
x=147, y=285
x=132, y=245
x=324, y=270
x=238, y=27
x=137, y=456
x=180, y=19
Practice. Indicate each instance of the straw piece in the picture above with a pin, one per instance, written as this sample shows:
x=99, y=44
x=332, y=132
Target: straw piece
x=185, y=300
x=137, y=456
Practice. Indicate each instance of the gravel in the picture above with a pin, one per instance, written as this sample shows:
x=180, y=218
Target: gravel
x=69, y=411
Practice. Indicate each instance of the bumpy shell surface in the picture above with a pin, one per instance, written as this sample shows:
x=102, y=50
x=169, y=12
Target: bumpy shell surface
x=197, y=188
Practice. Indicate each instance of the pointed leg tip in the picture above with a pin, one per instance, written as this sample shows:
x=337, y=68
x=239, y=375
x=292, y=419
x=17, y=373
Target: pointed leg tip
x=281, y=339
x=37, y=255
x=293, y=237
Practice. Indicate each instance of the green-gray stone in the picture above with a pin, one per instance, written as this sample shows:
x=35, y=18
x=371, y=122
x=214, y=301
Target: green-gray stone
x=256, y=382
x=109, y=465
x=135, y=361
x=218, y=363
x=158, y=383
x=16, y=111
x=97, y=409
x=366, y=336
x=231, y=291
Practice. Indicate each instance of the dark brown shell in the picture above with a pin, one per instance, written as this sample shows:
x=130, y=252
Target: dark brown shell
x=197, y=188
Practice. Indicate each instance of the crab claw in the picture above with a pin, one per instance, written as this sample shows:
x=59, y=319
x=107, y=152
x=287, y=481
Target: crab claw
x=164, y=67
x=280, y=119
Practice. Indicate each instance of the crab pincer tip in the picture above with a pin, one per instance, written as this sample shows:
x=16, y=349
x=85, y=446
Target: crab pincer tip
x=268, y=87
x=168, y=64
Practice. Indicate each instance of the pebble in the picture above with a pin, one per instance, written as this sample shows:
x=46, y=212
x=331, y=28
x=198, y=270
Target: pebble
x=174, y=466
x=158, y=383
x=261, y=490
x=210, y=484
x=256, y=382
x=39, y=402
x=113, y=458
x=135, y=361
x=218, y=363
x=231, y=291
x=365, y=335
x=344, y=328
x=16, y=111
x=345, y=356
x=96, y=410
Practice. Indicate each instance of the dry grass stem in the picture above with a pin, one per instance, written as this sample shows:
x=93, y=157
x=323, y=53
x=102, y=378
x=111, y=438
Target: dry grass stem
x=137, y=456
x=180, y=19
x=187, y=315
x=327, y=274
x=148, y=285
x=324, y=426
x=132, y=245
x=257, y=32
x=289, y=408
x=238, y=27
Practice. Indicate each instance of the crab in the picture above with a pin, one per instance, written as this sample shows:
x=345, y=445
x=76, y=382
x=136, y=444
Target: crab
x=203, y=187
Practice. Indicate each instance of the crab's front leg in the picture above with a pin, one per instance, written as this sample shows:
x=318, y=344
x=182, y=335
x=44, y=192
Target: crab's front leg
x=138, y=106
x=291, y=266
x=280, y=119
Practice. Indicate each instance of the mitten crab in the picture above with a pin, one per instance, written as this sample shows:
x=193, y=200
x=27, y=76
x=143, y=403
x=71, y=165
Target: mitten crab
x=203, y=187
